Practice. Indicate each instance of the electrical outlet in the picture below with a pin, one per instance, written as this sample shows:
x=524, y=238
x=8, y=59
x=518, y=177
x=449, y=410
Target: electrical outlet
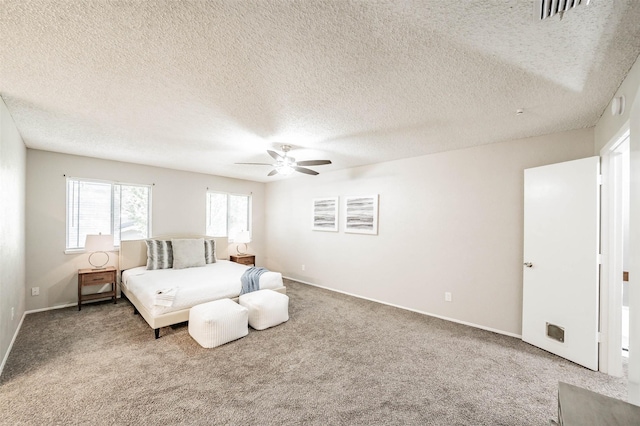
x=304, y=268
x=35, y=291
x=447, y=297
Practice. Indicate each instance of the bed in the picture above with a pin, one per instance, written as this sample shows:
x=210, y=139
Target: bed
x=191, y=286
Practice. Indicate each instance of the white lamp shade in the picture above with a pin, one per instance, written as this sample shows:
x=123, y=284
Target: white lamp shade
x=95, y=243
x=242, y=237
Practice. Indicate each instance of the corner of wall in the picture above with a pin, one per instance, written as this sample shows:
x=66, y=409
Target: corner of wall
x=13, y=164
x=608, y=125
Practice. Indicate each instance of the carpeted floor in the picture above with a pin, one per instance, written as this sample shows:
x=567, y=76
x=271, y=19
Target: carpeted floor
x=339, y=360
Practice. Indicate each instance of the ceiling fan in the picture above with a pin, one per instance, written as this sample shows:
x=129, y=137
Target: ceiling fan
x=286, y=165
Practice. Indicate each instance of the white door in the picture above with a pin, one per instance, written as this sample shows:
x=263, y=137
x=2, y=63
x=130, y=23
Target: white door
x=561, y=245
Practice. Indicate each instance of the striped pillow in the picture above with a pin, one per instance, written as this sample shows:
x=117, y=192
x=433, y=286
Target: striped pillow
x=210, y=251
x=159, y=254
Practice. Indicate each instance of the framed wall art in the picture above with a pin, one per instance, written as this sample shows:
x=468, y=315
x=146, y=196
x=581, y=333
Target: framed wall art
x=325, y=214
x=361, y=214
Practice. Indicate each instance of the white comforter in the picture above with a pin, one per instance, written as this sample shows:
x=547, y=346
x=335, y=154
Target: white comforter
x=193, y=285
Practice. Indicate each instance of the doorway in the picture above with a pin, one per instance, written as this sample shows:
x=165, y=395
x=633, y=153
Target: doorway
x=614, y=299
x=622, y=156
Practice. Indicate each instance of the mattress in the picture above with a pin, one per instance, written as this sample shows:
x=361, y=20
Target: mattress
x=193, y=286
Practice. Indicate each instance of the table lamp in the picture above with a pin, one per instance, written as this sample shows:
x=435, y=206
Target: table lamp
x=242, y=237
x=98, y=244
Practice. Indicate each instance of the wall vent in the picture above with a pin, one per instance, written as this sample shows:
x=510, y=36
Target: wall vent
x=549, y=8
x=555, y=332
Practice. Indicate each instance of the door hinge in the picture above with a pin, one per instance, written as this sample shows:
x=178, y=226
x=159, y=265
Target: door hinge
x=599, y=179
x=599, y=337
x=599, y=259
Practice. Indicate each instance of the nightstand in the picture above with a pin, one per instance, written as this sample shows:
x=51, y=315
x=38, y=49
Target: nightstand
x=87, y=277
x=245, y=259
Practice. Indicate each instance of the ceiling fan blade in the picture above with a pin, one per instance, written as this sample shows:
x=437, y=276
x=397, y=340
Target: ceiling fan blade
x=274, y=155
x=273, y=172
x=306, y=171
x=257, y=164
x=314, y=162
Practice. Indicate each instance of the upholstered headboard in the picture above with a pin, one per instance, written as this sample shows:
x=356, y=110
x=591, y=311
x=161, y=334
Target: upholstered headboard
x=133, y=253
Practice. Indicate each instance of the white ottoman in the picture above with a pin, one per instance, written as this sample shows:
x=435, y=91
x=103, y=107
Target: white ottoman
x=215, y=323
x=266, y=308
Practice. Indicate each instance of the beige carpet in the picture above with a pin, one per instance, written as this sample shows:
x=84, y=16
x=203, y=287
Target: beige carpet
x=339, y=360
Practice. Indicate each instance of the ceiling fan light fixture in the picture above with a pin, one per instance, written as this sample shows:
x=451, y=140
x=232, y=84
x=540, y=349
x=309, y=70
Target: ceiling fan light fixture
x=286, y=165
x=284, y=168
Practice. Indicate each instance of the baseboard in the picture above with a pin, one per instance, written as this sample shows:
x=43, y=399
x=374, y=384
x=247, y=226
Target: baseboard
x=13, y=340
x=470, y=324
x=67, y=305
x=51, y=308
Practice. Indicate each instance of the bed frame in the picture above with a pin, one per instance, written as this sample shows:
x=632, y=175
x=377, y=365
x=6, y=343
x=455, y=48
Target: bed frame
x=133, y=253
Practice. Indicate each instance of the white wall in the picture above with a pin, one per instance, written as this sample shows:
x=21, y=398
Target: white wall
x=178, y=207
x=448, y=222
x=12, y=229
x=607, y=128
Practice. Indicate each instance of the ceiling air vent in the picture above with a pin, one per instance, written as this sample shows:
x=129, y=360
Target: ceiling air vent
x=549, y=8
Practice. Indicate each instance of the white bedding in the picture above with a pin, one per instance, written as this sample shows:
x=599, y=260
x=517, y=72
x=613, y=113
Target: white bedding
x=194, y=285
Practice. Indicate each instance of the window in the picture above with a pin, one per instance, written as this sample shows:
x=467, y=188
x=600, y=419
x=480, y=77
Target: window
x=94, y=207
x=228, y=214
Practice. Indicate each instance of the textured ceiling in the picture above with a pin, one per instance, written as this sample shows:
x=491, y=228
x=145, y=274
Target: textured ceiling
x=200, y=85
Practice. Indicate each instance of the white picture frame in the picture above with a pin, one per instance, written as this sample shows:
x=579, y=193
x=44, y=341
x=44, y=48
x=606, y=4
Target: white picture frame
x=325, y=214
x=361, y=214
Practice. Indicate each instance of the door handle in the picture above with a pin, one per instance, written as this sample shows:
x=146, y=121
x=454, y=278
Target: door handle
x=528, y=264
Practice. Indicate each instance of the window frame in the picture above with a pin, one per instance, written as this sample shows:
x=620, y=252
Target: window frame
x=228, y=195
x=74, y=250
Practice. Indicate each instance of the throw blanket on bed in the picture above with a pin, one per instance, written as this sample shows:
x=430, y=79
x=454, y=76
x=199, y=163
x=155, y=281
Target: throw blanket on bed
x=251, y=279
x=165, y=297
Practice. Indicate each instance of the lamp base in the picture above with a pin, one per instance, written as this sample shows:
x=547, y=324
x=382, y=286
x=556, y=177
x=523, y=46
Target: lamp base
x=242, y=253
x=98, y=267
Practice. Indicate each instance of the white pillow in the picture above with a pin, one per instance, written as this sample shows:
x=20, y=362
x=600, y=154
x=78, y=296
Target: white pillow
x=188, y=253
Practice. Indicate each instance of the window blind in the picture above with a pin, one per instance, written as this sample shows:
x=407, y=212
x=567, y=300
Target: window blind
x=95, y=207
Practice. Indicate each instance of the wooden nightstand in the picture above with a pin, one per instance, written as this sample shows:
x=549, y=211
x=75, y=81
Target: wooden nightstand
x=87, y=277
x=246, y=259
